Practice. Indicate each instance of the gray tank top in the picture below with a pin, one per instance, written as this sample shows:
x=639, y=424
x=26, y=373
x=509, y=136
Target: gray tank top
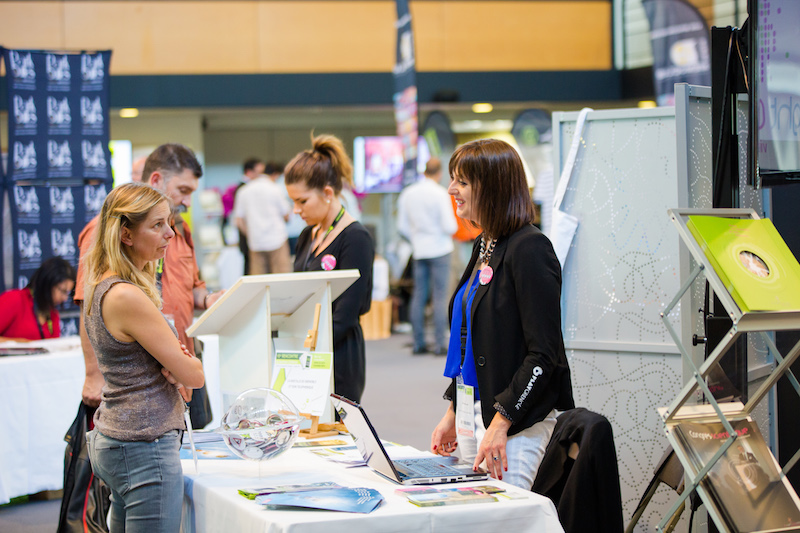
x=138, y=403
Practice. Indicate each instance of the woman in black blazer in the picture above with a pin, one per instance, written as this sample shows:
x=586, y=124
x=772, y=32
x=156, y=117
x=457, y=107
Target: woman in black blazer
x=506, y=354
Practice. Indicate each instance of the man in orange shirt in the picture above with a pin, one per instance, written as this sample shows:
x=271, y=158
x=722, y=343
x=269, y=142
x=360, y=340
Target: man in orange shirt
x=174, y=170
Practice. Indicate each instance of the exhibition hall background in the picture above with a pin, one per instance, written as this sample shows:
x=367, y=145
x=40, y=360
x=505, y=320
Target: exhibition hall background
x=236, y=79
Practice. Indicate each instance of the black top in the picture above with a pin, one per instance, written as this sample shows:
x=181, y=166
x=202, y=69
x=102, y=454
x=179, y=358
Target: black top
x=352, y=248
x=517, y=344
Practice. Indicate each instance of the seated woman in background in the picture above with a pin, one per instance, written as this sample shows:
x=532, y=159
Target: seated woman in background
x=30, y=314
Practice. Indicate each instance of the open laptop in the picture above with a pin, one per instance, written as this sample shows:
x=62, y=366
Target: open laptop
x=417, y=471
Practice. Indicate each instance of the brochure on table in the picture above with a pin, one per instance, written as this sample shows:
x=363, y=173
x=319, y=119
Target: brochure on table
x=257, y=317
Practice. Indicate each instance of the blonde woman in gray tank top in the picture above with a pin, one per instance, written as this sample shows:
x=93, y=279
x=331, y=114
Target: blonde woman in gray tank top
x=134, y=446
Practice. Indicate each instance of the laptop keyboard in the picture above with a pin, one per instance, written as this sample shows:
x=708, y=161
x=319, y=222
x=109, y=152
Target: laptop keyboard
x=427, y=467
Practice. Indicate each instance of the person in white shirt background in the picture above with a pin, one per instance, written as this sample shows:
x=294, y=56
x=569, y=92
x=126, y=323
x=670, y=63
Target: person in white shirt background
x=426, y=219
x=261, y=212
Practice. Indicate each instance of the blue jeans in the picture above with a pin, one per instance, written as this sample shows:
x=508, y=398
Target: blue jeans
x=436, y=272
x=145, y=478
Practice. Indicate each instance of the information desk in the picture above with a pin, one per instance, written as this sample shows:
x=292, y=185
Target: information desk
x=39, y=398
x=212, y=503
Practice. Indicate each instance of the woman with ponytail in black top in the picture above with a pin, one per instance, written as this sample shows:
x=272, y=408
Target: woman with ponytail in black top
x=334, y=240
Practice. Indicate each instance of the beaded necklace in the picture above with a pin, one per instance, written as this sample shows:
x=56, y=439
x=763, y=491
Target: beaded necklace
x=486, y=251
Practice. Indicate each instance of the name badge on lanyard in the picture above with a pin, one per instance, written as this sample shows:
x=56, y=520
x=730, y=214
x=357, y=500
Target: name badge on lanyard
x=465, y=408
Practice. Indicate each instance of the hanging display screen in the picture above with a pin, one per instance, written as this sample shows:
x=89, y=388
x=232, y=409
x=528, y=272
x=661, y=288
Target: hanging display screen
x=775, y=75
x=378, y=163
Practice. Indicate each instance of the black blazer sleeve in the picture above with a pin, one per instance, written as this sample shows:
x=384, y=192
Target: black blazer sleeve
x=534, y=273
x=518, y=349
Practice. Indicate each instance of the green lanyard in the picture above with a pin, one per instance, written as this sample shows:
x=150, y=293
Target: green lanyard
x=328, y=232
x=333, y=224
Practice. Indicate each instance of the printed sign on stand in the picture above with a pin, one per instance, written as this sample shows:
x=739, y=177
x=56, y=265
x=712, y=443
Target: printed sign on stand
x=304, y=377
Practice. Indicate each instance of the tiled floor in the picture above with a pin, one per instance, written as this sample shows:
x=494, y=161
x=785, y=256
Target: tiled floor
x=403, y=398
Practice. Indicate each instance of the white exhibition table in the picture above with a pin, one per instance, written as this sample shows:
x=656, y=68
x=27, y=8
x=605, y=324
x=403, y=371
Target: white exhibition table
x=39, y=398
x=212, y=503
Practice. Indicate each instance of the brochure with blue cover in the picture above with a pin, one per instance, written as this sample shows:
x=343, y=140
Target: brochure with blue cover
x=209, y=450
x=251, y=494
x=351, y=500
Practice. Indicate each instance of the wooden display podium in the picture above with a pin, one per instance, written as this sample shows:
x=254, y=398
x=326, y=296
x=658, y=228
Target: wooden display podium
x=256, y=317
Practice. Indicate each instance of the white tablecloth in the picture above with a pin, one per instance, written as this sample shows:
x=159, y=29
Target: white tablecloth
x=39, y=398
x=212, y=503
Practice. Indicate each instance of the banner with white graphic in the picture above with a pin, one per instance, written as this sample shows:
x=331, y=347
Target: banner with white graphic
x=681, y=46
x=405, y=92
x=58, y=169
x=46, y=222
x=58, y=115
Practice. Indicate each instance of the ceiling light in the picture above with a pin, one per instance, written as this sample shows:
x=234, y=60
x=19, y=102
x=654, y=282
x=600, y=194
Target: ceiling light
x=129, y=112
x=481, y=108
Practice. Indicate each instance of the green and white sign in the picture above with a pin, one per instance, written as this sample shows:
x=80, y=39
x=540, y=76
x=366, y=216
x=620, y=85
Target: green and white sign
x=304, y=377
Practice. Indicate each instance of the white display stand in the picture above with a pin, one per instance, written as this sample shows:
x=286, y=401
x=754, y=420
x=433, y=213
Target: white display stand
x=256, y=317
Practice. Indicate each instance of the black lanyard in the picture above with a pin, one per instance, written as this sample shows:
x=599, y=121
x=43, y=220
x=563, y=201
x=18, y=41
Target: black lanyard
x=38, y=325
x=328, y=232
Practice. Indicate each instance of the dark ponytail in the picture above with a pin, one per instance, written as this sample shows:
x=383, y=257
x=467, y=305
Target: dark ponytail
x=325, y=164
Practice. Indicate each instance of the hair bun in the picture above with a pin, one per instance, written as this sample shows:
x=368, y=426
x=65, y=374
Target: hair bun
x=332, y=148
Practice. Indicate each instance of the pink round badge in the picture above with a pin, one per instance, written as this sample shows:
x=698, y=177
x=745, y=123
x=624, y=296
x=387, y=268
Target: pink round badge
x=328, y=262
x=486, y=275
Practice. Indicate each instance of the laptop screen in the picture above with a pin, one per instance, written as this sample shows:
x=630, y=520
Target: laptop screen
x=364, y=435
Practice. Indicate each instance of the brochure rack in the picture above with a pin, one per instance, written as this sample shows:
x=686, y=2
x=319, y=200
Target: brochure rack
x=743, y=322
x=260, y=315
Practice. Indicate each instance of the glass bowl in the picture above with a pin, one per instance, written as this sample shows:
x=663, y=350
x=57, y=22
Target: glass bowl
x=261, y=424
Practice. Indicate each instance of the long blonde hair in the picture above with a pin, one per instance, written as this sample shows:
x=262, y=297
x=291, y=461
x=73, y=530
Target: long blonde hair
x=126, y=206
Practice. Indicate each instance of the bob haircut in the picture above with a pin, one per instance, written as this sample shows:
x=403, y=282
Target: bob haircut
x=50, y=273
x=126, y=206
x=499, y=189
x=325, y=164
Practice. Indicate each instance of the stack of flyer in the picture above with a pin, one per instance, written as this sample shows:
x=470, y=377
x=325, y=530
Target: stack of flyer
x=432, y=496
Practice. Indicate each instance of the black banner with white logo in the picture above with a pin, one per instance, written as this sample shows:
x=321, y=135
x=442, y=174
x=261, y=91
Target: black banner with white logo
x=58, y=115
x=58, y=169
x=46, y=222
x=681, y=46
x=405, y=92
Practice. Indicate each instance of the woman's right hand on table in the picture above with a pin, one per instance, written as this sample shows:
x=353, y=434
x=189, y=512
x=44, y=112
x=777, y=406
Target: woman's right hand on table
x=444, y=439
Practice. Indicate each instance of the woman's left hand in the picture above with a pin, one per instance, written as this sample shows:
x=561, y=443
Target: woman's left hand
x=493, y=447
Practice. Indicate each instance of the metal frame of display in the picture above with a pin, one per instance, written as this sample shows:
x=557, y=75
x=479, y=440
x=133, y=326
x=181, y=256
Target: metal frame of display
x=743, y=322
